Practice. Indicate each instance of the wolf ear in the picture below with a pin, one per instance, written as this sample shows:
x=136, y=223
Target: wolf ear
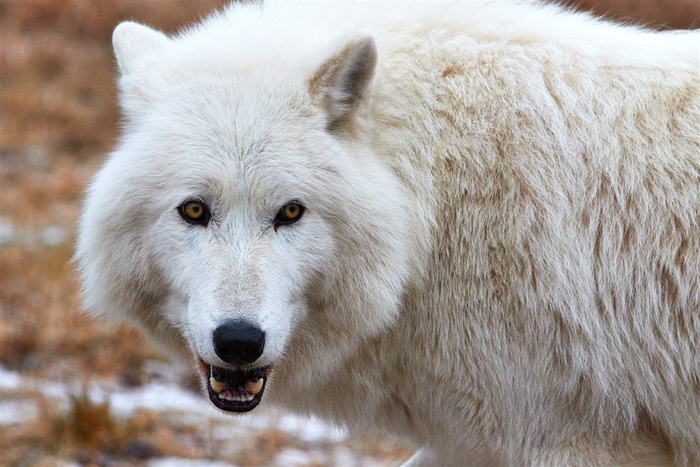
x=132, y=40
x=342, y=82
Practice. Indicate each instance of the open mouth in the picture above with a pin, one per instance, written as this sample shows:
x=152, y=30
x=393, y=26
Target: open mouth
x=235, y=390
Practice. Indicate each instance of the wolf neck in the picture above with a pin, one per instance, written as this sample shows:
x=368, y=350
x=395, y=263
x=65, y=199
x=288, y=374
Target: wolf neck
x=354, y=377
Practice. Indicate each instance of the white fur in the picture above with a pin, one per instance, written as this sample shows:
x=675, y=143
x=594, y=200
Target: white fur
x=500, y=257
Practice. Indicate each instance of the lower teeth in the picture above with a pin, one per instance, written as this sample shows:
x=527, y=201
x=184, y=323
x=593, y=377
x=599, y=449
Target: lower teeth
x=226, y=397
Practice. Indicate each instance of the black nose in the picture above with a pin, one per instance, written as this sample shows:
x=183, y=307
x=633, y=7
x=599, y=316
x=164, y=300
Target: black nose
x=238, y=342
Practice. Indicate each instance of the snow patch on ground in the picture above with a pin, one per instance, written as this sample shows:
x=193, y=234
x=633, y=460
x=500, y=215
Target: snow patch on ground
x=300, y=441
x=14, y=412
x=159, y=397
x=9, y=380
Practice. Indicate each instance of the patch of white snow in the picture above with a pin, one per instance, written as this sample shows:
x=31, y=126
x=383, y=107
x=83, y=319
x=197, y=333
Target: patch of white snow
x=13, y=412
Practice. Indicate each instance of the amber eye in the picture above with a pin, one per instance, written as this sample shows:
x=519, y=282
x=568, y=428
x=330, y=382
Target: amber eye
x=290, y=212
x=194, y=212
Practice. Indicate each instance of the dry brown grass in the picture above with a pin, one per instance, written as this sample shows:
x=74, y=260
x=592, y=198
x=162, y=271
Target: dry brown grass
x=87, y=432
x=57, y=73
x=660, y=14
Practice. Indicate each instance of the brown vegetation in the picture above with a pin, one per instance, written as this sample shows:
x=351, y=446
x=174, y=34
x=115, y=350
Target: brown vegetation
x=661, y=14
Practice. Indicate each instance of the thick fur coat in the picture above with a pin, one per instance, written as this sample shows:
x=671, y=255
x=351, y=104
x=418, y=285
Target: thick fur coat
x=499, y=253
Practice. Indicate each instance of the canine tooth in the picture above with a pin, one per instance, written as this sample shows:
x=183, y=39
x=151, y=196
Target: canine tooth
x=216, y=385
x=254, y=387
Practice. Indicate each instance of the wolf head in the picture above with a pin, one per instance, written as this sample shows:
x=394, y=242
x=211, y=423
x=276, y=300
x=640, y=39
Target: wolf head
x=243, y=220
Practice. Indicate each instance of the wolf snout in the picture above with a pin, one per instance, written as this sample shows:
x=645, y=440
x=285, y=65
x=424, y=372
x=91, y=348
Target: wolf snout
x=238, y=342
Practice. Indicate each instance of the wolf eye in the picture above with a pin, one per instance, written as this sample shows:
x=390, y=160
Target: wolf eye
x=290, y=212
x=194, y=212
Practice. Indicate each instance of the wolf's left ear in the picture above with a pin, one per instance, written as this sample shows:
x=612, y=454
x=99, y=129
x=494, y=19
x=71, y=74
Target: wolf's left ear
x=137, y=48
x=132, y=40
x=341, y=83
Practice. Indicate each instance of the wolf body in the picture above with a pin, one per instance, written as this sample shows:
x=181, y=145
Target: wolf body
x=496, y=251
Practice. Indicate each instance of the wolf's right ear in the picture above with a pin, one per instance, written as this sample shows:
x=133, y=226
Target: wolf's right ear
x=132, y=40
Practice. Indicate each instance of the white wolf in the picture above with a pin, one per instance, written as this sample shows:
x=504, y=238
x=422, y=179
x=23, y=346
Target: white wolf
x=474, y=225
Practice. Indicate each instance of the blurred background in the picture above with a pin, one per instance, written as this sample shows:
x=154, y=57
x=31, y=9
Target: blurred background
x=74, y=391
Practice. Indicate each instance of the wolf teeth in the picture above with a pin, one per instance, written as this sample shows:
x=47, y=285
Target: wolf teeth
x=216, y=385
x=254, y=387
x=246, y=398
